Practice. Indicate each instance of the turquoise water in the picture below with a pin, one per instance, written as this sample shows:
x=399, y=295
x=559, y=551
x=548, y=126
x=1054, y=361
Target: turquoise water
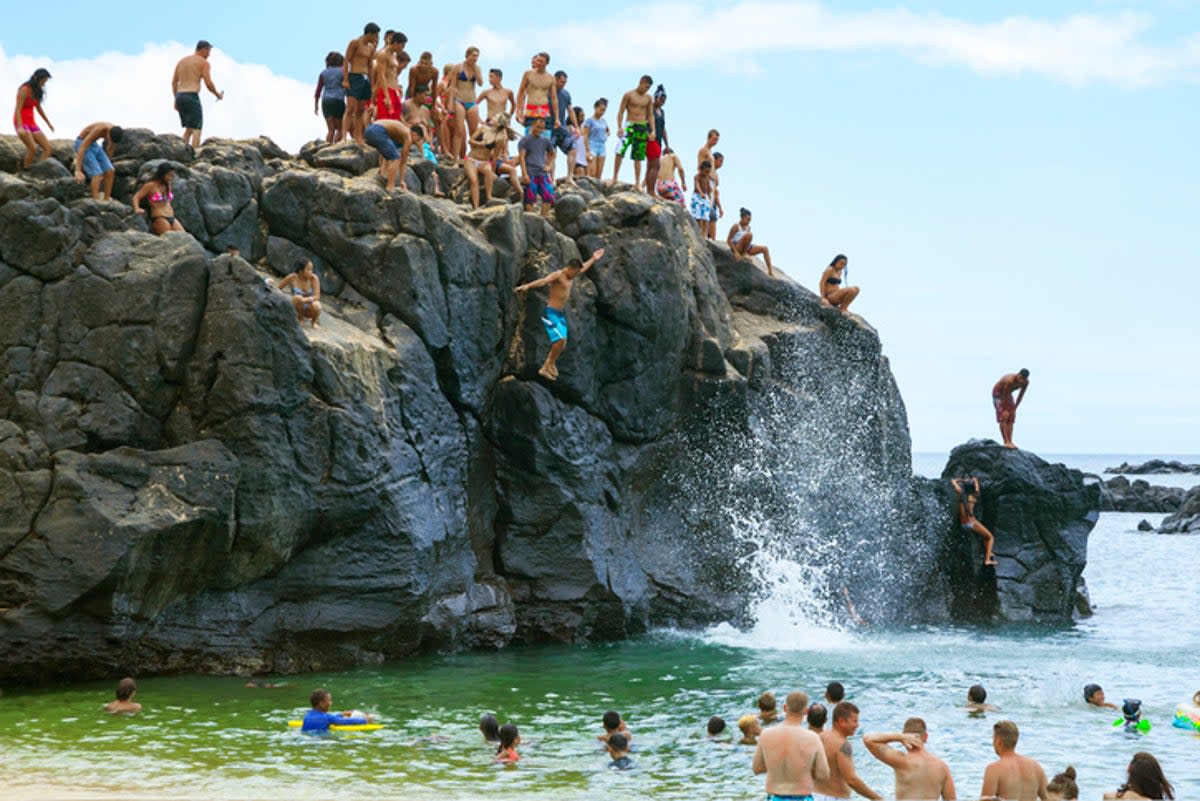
x=210, y=737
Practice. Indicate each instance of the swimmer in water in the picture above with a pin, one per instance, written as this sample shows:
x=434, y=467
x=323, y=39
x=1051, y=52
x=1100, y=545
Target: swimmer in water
x=510, y=738
x=1131, y=711
x=618, y=750
x=817, y=716
x=1063, y=787
x=751, y=728
x=612, y=724
x=768, y=711
x=319, y=718
x=976, y=700
x=124, y=705
x=1144, y=779
x=968, y=495
x=489, y=727
x=1094, y=695
x=716, y=728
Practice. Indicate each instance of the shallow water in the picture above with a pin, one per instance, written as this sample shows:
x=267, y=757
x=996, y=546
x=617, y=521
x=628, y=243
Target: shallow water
x=211, y=737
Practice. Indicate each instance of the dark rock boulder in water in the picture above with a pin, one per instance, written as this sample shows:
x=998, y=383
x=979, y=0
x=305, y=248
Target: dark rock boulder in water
x=1159, y=466
x=1041, y=515
x=1119, y=494
x=1187, y=519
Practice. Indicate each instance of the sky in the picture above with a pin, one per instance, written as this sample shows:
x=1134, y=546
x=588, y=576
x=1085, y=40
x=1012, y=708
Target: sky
x=1016, y=183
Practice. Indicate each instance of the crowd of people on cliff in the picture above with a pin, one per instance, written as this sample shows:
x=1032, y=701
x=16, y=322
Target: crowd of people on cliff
x=805, y=749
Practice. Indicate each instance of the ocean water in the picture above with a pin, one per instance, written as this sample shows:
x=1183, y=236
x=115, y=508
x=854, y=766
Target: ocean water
x=203, y=737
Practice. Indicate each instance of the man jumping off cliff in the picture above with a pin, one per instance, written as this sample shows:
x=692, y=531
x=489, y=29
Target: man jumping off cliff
x=1006, y=407
x=555, y=318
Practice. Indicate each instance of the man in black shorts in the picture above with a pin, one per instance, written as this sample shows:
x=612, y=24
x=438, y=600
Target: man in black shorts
x=357, y=69
x=185, y=86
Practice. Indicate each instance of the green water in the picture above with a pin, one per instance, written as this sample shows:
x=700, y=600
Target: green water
x=208, y=737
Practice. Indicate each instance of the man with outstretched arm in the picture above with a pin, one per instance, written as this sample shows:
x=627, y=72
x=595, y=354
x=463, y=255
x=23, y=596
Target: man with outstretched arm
x=920, y=775
x=835, y=740
x=555, y=317
x=1006, y=407
x=1012, y=776
x=93, y=163
x=185, y=86
x=791, y=755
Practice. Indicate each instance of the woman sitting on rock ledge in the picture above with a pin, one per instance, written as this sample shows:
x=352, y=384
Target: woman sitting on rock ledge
x=306, y=292
x=158, y=193
x=831, y=289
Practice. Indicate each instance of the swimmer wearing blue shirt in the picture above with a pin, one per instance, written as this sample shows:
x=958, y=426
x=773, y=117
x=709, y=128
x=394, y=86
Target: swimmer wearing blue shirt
x=319, y=718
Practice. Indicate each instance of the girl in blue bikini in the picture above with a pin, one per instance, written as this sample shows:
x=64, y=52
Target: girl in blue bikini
x=306, y=292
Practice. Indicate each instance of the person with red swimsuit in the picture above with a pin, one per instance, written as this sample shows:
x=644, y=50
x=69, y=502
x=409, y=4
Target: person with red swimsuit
x=29, y=99
x=1006, y=407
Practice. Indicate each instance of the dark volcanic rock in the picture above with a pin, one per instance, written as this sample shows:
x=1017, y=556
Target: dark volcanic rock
x=1041, y=515
x=1119, y=494
x=1187, y=519
x=1154, y=466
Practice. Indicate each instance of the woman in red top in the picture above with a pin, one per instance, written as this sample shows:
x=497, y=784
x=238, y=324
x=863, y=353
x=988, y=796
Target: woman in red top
x=29, y=98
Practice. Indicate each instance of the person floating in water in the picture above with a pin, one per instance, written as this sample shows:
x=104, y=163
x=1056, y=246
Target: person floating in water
x=306, y=292
x=832, y=291
x=968, y=495
x=618, y=750
x=716, y=728
x=185, y=85
x=1005, y=406
x=977, y=700
x=1094, y=695
x=1131, y=712
x=510, y=738
x=93, y=163
x=489, y=727
x=555, y=317
x=124, y=705
x=319, y=718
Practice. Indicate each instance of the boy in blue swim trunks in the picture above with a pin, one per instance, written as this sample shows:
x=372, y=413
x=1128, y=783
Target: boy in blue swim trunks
x=555, y=318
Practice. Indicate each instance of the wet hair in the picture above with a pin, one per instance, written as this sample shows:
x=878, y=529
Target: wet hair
x=976, y=693
x=766, y=701
x=334, y=59
x=1023, y=372
x=745, y=722
x=496, y=71
x=116, y=134
x=744, y=212
x=490, y=727
x=34, y=83
x=817, y=715
x=834, y=691
x=508, y=737
x=318, y=696
x=560, y=74
x=370, y=28
x=716, y=725
x=544, y=55
x=601, y=101
x=706, y=163
x=300, y=265
x=1146, y=778
x=611, y=720
x=660, y=92
x=418, y=131
x=164, y=169
x=843, y=711
x=203, y=44
x=796, y=701
x=836, y=259
x=619, y=742
x=1064, y=784
x=1007, y=733
x=126, y=687
x=914, y=726
x=645, y=79
x=1089, y=690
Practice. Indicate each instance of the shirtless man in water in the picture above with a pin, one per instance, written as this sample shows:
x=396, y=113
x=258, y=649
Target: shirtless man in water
x=356, y=71
x=1012, y=776
x=185, y=86
x=536, y=96
x=1006, y=407
x=638, y=130
x=835, y=740
x=555, y=318
x=790, y=755
x=497, y=97
x=920, y=775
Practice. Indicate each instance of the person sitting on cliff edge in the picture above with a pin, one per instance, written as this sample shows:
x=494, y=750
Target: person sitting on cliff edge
x=968, y=495
x=124, y=705
x=555, y=317
x=1005, y=406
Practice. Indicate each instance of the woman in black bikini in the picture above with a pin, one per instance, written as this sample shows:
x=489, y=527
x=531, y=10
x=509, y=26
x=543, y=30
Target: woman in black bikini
x=968, y=494
x=832, y=291
x=157, y=192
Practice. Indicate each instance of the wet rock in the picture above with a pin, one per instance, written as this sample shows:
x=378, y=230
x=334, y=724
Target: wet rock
x=1187, y=519
x=1119, y=494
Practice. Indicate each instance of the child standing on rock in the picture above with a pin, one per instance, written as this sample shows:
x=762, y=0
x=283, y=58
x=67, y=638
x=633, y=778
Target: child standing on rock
x=555, y=317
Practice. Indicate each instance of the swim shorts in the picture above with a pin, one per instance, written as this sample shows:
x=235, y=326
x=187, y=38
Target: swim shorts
x=556, y=324
x=968, y=528
x=381, y=108
x=701, y=207
x=654, y=150
x=26, y=127
x=670, y=189
x=191, y=113
x=774, y=797
x=539, y=185
x=543, y=112
x=1006, y=410
x=360, y=87
x=333, y=108
x=95, y=160
x=637, y=134
x=562, y=139
x=377, y=137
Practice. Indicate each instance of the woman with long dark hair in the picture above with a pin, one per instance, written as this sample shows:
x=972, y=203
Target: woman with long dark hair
x=29, y=99
x=1144, y=780
x=159, y=194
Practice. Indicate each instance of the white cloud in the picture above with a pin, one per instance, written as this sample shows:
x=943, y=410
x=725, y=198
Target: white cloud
x=134, y=90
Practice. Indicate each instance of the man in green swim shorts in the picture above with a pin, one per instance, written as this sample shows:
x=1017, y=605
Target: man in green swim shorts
x=638, y=130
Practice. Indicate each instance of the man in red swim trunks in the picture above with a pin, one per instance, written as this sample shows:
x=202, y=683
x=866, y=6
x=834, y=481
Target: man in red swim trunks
x=1006, y=407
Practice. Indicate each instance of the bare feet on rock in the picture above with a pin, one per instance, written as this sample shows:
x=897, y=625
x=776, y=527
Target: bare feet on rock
x=548, y=373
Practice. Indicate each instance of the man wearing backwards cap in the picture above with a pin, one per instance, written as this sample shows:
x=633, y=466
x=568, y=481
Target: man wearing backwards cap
x=185, y=85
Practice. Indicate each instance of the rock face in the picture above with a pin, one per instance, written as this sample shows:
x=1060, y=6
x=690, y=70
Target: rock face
x=1187, y=519
x=1041, y=515
x=1119, y=494
x=1154, y=466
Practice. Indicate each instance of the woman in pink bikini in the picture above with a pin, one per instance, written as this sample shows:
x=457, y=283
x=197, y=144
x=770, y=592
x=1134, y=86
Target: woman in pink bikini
x=158, y=193
x=29, y=99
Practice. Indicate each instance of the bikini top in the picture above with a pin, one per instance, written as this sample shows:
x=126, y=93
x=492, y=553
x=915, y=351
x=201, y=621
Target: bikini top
x=157, y=197
x=833, y=280
x=462, y=75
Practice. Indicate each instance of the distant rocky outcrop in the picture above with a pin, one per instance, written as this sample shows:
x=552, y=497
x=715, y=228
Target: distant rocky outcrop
x=1187, y=519
x=1119, y=494
x=1154, y=466
x=1041, y=515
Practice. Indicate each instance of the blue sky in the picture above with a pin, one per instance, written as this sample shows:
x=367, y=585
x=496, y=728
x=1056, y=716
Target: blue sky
x=1015, y=183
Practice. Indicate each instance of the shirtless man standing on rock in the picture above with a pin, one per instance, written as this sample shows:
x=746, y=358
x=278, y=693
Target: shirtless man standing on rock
x=920, y=775
x=496, y=96
x=185, y=86
x=356, y=69
x=790, y=755
x=842, y=776
x=536, y=96
x=1012, y=776
x=639, y=128
x=1006, y=407
x=386, y=66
